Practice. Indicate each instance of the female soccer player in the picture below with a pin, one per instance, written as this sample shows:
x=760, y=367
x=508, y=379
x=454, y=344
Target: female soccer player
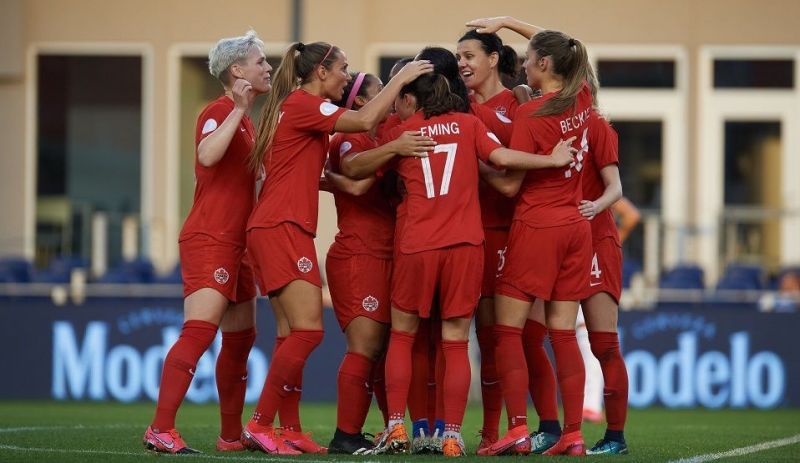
x=359, y=267
x=482, y=58
x=548, y=229
x=605, y=294
x=219, y=287
x=601, y=189
x=431, y=253
x=291, y=146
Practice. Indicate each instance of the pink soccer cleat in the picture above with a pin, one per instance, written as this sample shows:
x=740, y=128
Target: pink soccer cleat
x=302, y=441
x=229, y=446
x=569, y=444
x=168, y=441
x=515, y=442
x=266, y=439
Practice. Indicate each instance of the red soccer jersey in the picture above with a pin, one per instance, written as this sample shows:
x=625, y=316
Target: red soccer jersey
x=224, y=193
x=392, y=121
x=603, y=145
x=497, y=210
x=441, y=204
x=294, y=163
x=550, y=197
x=366, y=222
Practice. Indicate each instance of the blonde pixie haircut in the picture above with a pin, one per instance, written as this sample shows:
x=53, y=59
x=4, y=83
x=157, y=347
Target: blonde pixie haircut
x=229, y=51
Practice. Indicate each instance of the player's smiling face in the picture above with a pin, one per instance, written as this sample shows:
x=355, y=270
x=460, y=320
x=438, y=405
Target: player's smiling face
x=256, y=70
x=474, y=65
x=336, y=78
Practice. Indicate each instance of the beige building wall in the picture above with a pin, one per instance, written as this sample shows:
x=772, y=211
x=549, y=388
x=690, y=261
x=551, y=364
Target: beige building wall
x=361, y=27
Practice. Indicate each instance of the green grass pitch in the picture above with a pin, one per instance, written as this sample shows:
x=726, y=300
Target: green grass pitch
x=100, y=432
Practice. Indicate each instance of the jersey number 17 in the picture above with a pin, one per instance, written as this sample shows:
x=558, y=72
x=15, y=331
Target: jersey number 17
x=430, y=189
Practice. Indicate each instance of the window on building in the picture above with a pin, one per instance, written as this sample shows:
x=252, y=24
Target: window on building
x=640, y=155
x=762, y=73
x=89, y=133
x=752, y=191
x=655, y=74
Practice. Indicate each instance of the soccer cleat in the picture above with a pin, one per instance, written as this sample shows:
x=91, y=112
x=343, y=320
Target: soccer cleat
x=435, y=443
x=350, y=444
x=515, y=442
x=302, y=441
x=569, y=444
x=420, y=443
x=486, y=440
x=608, y=447
x=377, y=437
x=229, y=446
x=592, y=416
x=266, y=439
x=392, y=442
x=542, y=441
x=453, y=447
x=168, y=441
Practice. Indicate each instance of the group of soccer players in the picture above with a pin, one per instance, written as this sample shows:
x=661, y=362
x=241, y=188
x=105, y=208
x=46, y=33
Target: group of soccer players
x=455, y=197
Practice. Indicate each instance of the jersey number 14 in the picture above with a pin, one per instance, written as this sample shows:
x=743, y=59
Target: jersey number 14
x=577, y=164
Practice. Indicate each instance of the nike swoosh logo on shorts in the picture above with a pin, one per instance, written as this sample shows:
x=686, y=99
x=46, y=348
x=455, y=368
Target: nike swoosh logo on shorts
x=596, y=284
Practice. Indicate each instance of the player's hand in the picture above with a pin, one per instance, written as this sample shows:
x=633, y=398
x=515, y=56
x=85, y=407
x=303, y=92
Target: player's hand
x=488, y=25
x=523, y=93
x=414, y=69
x=243, y=94
x=563, y=153
x=587, y=209
x=413, y=144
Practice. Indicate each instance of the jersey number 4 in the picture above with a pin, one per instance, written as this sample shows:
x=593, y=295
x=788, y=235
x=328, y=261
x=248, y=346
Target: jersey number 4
x=430, y=189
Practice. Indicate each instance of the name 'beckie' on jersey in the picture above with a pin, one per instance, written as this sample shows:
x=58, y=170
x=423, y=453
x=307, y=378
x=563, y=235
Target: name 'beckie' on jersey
x=574, y=122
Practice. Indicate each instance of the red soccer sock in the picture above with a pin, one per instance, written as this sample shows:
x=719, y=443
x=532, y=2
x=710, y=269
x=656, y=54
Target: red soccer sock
x=379, y=388
x=571, y=376
x=287, y=366
x=605, y=346
x=491, y=393
x=512, y=372
x=541, y=378
x=398, y=372
x=456, y=383
x=418, y=390
x=232, y=380
x=436, y=409
x=179, y=365
x=289, y=409
x=353, y=395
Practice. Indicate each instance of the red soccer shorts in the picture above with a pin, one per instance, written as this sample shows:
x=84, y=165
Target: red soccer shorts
x=605, y=274
x=494, y=246
x=455, y=271
x=208, y=263
x=282, y=254
x=550, y=263
x=359, y=287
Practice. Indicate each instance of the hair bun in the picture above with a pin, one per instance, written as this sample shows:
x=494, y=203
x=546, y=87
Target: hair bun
x=301, y=46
